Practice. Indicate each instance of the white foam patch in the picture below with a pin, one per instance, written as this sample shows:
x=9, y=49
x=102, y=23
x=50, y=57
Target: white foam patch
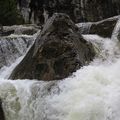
x=93, y=94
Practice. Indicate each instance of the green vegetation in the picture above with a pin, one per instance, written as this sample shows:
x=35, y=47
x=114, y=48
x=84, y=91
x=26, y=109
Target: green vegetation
x=9, y=15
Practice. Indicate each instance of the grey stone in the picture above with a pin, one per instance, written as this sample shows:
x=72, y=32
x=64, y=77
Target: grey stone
x=103, y=28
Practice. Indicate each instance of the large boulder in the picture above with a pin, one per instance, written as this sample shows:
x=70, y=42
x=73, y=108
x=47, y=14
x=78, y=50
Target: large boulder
x=102, y=28
x=105, y=27
x=58, y=51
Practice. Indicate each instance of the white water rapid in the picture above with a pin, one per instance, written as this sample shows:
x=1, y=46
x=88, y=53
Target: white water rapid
x=91, y=93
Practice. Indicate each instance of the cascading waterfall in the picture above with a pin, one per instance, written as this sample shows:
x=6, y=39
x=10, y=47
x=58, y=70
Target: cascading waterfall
x=91, y=93
x=116, y=31
x=12, y=47
x=84, y=27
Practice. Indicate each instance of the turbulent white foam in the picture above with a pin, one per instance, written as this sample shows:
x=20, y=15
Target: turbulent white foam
x=84, y=27
x=107, y=49
x=91, y=93
x=6, y=71
x=116, y=31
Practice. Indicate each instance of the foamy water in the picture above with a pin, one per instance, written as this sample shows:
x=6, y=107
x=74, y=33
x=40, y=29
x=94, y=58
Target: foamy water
x=91, y=93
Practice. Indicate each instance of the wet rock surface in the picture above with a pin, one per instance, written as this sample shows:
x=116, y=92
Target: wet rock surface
x=102, y=28
x=2, y=117
x=18, y=30
x=58, y=51
x=105, y=27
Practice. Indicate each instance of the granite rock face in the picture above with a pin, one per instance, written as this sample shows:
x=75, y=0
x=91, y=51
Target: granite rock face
x=95, y=10
x=78, y=10
x=58, y=51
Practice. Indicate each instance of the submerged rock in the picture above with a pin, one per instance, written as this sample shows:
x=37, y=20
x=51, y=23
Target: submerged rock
x=58, y=51
x=2, y=117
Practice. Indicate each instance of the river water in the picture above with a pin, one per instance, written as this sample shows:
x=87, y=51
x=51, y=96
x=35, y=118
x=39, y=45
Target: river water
x=91, y=93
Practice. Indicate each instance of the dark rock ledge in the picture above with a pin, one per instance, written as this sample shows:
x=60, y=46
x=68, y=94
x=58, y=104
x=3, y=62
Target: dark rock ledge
x=2, y=117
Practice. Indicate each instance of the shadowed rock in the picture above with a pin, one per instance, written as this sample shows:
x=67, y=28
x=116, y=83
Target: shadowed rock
x=78, y=10
x=105, y=27
x=2, y=117
x=58, y=51
x=102, y=28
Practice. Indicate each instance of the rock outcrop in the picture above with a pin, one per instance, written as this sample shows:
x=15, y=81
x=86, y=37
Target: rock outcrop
x=78, y=10
x=58, y=51
x=105, y=27
x=18, y=30
x=95, y=10
x=102, y=28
